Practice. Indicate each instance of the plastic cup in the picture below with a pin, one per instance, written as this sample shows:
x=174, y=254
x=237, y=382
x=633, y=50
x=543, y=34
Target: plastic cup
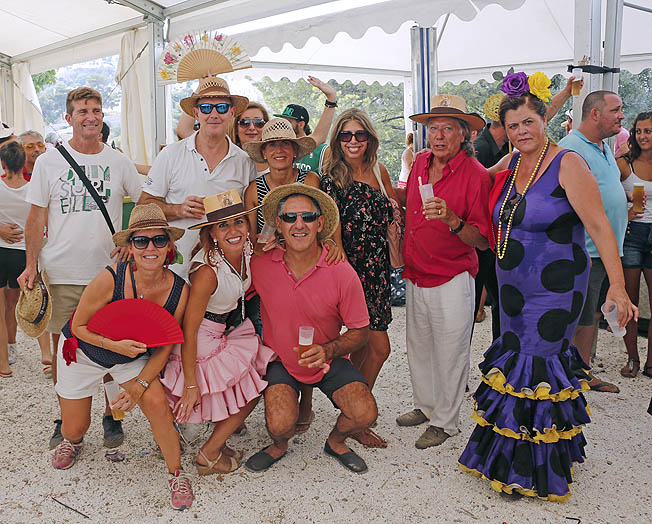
x=112, y=389
x=610, y=312
x=306, y=334
x=638, y=194
x=426, y=192
x=265, y=236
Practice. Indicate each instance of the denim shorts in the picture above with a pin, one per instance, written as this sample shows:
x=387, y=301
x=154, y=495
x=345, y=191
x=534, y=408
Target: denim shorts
x=637, y=248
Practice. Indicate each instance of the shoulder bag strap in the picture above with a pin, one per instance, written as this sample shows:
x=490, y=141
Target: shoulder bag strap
x=376, y=171
x=87, y=183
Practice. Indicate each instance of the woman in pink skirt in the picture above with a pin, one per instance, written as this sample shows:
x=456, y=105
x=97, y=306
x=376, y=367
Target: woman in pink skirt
x=216, y=375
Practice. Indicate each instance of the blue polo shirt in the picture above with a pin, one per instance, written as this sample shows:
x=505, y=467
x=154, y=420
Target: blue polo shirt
x=603, y=166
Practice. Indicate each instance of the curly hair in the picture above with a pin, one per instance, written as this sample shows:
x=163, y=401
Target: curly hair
x=336, y=165
x=634, y=147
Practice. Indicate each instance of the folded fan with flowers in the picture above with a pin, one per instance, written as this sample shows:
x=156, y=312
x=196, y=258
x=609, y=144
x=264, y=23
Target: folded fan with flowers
x=200, y=54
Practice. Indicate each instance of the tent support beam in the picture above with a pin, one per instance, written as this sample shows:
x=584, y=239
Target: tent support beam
x=144, y=7
x=587, y=44
x=157, y=97
x=424, y=76
x=639, y=7
x=612, y=41
x=7, y=87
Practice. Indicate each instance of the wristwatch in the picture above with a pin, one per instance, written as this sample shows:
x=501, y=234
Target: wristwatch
x=457, y=229
x=328, y=103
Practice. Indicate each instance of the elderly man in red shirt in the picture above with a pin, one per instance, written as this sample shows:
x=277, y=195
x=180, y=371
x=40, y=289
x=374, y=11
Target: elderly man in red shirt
x=298, y=288
x=441, y=264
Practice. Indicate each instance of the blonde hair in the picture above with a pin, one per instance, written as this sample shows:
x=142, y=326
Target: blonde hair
x=336, y=165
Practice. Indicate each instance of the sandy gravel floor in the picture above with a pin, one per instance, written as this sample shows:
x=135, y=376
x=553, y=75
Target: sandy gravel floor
x=403, y=484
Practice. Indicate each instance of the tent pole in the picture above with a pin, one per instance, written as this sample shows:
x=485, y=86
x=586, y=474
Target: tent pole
x=157, y=93
x=424, y=76
x=7, y=87
x=612, y=40
x=587, y=43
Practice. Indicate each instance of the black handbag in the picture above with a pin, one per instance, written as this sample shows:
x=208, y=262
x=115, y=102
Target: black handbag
x=80, y=173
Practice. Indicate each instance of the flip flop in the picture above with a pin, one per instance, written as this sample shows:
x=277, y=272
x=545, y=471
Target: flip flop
x=628, y=370
x=599, y=386
x=47, y=370
x=6, y=375
x=304, y=425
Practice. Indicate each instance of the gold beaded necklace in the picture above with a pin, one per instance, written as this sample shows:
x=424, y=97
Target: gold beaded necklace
x=501, y=251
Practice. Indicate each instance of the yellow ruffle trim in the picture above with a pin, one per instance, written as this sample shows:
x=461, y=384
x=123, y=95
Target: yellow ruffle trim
x=498, y=382
x=549, y=435
x=509, y=488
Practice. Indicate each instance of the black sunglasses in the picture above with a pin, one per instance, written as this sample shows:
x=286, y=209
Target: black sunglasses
x=141, y=242
x=361, y=135
x=306, y=216
x=257, y=122
x=207, y=108
x=510, y=205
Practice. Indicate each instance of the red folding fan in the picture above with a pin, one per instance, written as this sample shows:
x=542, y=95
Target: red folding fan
x=139, y=320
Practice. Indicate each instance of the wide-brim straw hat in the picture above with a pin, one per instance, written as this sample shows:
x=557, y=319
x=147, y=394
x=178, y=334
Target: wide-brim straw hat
x=147, y=216
x=34, y=307
x=213, y=87
x=327, y=205
x=222, y=207
x=451, y=106
x=279, y=129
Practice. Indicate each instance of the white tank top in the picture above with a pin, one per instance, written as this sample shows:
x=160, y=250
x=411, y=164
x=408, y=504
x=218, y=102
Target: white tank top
x=405, y=170
x=225, y=298
x=628, y=185
x=14, y=209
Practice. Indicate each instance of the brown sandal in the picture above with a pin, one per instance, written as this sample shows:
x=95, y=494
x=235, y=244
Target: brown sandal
x=628, y=370
x=210, y=469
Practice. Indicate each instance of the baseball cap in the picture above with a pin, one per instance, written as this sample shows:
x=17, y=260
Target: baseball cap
x=295, y=112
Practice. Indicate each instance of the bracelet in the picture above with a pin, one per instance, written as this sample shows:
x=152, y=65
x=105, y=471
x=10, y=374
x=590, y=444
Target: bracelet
x=190, y=387
x=102, y=343
x=142, y=382
x=333, y=241
x=330, y=104
x=457, y=229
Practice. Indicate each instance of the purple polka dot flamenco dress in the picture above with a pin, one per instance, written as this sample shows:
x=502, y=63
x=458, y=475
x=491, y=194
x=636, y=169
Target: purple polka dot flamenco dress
x=529, y=407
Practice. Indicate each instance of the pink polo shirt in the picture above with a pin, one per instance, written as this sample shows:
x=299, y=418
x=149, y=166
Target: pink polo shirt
x=326, y=297
x=433, y=255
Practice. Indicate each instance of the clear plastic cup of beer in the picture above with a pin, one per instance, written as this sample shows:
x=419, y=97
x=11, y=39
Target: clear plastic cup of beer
x=638, y=195
x=265, y=236
x=306, y=334
x=112, y=389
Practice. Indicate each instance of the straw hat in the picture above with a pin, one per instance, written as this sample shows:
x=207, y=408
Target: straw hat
x=328, y=207
x=451, y=106
x=148, y=216
x=279, y=129
x=223, y=206
x=213, y=87
x=34, y=307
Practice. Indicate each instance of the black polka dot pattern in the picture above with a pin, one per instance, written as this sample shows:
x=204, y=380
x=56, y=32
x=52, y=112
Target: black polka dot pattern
x=552, y=324
x=580, y=259
x=558, y=276
x=513, y=255
x=511, y=342
x=511, y=300
x=560, y=230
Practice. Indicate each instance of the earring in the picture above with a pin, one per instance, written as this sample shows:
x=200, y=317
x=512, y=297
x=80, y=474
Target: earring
x=214, y=258
x=169, y=258
x=132, y=263
x=248, y=247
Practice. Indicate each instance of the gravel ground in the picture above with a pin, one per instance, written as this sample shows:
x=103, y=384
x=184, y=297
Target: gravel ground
x=403, y=484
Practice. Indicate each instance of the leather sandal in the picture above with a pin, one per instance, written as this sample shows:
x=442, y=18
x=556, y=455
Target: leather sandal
x=210, y=469
x=628, y=370
x=262, y=460
x=350, y=460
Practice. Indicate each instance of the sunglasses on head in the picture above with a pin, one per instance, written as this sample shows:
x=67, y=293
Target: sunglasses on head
x=141, y=241
x=257, y=122
x=222, y=108
x=306, y=216
x=361, y=135
x=509, y=207
x=34, y=145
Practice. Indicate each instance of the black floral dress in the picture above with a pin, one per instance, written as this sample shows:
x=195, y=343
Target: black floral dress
x=365, y=214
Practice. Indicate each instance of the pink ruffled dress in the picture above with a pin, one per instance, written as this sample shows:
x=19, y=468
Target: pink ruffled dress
x=230, y=365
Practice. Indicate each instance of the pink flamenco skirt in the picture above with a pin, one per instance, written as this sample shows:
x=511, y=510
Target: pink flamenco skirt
x=229, y=370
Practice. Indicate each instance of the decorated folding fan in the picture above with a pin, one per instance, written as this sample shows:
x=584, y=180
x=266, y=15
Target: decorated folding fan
x=491, y=106
x=196, y=55
x=139, y=320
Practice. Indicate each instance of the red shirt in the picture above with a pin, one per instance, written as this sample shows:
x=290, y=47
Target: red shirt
x=433, y=255
x=27, y=176
x=326, y=297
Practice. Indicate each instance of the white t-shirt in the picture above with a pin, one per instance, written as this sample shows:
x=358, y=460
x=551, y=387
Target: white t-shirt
x=180, y=171
x=79, y=240
x=13, y=210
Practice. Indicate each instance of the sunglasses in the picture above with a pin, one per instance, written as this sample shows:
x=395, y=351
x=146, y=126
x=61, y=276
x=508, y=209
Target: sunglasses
x=346, y=136
x=306, y=216
x=141, y=242
x=34, y=145
x=257, y=122
x=222, y=108
x=509, y=207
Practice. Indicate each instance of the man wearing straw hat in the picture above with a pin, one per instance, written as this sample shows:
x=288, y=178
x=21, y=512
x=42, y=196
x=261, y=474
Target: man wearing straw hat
x=299, y=290
x=441, y=232
x=205, y=163
x=79, y=241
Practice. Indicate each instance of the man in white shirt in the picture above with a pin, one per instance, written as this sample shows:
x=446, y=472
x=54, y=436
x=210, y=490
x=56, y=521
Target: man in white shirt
x=204, y=164
x=79, y=241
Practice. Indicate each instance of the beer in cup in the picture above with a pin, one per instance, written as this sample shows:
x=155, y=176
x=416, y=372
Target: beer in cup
x=265, y=236
x=637, y=197
x=306, y=334
x=112, y=391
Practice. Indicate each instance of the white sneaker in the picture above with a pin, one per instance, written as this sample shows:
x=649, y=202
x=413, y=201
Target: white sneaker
x=12, y=353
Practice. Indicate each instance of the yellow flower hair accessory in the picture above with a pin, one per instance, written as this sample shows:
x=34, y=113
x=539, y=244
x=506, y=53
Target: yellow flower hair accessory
x=539, y=86
x=491, y=106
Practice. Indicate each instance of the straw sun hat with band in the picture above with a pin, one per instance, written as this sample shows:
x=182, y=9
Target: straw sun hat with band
x=148, y=216
x=34, y=307
x=223, y=206
x=279, y=129
x=326, y=205
x=451, y=106
x=213, y=87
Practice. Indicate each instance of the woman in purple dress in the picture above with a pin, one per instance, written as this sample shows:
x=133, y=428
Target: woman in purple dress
x=529, y=407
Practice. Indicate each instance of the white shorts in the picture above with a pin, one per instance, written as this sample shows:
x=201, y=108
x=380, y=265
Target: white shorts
x=82, y=379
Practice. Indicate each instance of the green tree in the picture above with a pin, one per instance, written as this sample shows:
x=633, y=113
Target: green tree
x=44, y=79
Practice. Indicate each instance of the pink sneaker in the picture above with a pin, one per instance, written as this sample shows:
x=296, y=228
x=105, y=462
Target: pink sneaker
x=66, y=454
x=182, y=495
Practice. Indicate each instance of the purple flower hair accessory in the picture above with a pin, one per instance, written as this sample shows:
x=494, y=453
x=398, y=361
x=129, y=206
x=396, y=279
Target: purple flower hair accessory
x=515, y=84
